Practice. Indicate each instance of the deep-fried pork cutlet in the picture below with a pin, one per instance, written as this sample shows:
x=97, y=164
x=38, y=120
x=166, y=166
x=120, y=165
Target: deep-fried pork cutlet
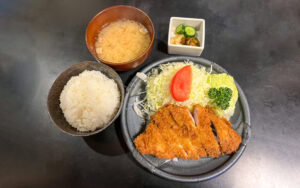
x=206, y=135
x=229, y=139
x=172, y=132
x=187, y=132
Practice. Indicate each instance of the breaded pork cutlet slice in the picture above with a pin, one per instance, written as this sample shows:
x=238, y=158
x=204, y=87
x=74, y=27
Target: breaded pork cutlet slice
x=167, y=127
x=152, y=142
x=229, y=139
x=171, y=133
x=162, y=138
x=206, y=135
x=186, y=131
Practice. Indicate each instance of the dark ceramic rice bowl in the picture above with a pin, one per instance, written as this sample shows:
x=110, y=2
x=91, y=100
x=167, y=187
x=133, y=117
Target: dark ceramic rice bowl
x=53, y=102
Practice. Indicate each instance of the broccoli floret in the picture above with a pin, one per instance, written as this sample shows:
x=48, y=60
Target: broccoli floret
x=221, y=96
x=212, y=93
x=224, y=105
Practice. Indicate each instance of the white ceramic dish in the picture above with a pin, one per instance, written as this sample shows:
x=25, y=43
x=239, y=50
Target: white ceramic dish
x=199, y=24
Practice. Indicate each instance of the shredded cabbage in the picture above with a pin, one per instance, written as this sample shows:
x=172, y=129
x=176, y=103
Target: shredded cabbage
x=136, y=108
x=158, y=87
x=142, y=76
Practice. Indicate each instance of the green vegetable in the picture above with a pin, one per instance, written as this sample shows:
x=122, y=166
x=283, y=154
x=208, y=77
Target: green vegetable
x=223, y=80
x=213, y=92
x=189, y=31
x=180, y=29
x=221, y=96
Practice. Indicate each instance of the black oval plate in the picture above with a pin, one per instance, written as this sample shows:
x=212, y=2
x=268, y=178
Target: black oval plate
x=182, y=170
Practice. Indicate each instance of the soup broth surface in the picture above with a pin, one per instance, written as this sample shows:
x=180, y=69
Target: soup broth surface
x=122, y=41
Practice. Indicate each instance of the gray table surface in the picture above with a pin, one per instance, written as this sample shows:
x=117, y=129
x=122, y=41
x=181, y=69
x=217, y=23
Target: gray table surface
x=257, y=41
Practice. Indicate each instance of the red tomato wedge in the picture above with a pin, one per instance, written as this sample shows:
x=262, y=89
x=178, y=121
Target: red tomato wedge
x=181, y=84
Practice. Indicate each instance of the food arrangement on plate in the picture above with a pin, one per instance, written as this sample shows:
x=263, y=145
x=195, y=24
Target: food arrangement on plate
x=184, y=83
x=185, y=107
x=158, y=139
x=172, y=96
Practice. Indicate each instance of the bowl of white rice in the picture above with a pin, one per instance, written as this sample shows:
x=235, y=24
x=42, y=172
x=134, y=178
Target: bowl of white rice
x=86, y=98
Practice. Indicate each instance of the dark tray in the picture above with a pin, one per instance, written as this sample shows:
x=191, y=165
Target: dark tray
x=183, y=170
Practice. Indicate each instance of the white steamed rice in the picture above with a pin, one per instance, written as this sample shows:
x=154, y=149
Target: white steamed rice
x=89, y=100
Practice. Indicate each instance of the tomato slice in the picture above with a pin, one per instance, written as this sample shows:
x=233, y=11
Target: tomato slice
x=181, y=84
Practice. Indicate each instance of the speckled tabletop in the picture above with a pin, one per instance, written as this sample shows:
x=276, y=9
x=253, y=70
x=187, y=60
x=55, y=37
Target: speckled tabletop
x=257, y=41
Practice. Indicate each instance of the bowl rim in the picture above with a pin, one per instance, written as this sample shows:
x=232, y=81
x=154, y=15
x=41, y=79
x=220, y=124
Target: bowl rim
x=127, y=62
x=116, y=115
